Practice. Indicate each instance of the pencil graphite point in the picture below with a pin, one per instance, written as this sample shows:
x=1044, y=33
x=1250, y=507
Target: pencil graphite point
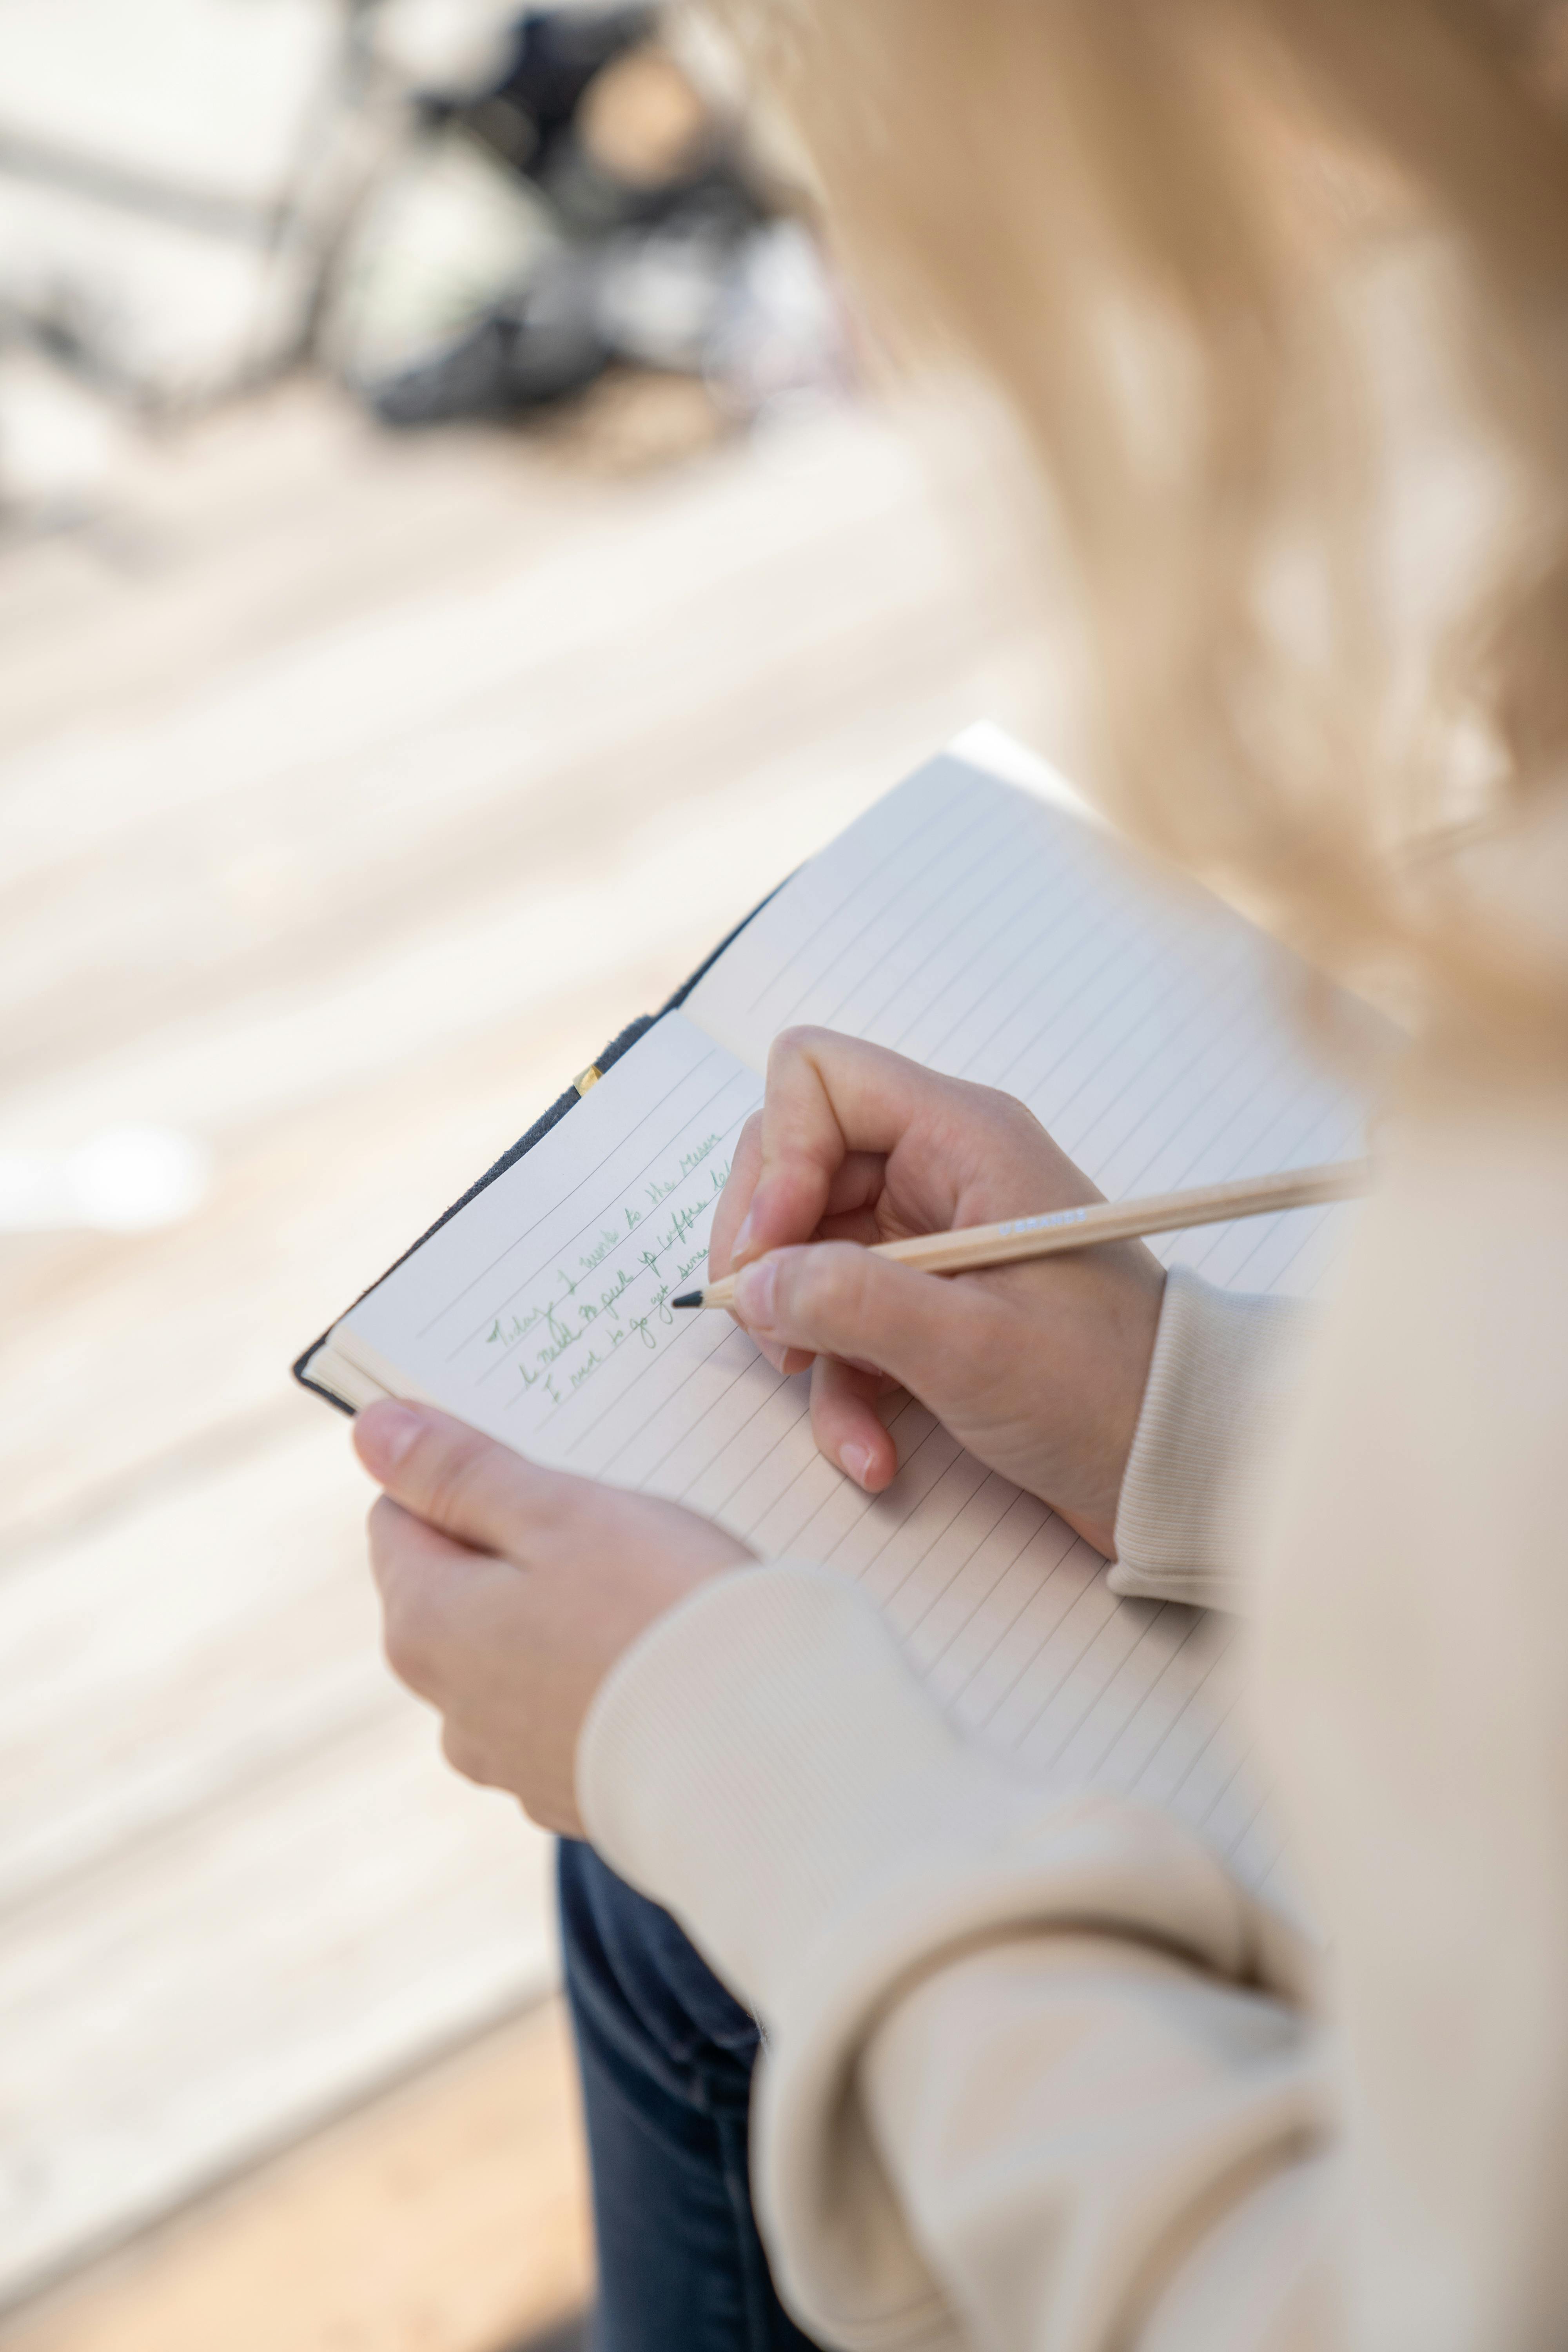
x=688, y=1298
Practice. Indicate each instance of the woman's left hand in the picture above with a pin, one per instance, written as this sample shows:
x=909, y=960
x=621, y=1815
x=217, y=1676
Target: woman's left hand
x=509, y=1591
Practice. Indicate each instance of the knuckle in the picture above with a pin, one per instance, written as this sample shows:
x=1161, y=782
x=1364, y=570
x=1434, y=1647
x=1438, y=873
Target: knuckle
x=1021, y=1122
x=795, y=1044
x=1002, y=1110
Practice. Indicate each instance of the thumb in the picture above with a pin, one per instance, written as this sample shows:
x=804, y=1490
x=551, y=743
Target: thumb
x=835, y=1298
x=455, y=1478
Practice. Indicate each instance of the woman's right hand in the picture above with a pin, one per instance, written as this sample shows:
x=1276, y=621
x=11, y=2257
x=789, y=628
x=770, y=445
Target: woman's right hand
x=1038, y=1368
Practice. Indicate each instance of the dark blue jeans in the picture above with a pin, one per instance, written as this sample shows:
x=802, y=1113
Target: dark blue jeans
x=666, y=2056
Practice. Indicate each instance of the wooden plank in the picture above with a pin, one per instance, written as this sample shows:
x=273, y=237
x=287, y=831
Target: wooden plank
x=257, y=525
x=603, y=594
x=647, y=889
x=451, y=2215
x=217, y=1991
x=520, y=727
x=522, y=929
x=182, y=1651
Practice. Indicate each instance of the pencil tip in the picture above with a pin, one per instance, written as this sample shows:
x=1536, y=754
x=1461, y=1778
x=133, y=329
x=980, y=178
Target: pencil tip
x=688, y=1298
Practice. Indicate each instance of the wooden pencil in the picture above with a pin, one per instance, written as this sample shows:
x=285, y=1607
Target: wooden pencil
x=1053, y=1230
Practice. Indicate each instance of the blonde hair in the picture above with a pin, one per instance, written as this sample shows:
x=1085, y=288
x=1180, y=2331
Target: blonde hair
x=1141, y=221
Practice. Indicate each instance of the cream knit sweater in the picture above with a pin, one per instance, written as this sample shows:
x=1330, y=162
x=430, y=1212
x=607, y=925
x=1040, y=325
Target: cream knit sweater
x=1039, y=2072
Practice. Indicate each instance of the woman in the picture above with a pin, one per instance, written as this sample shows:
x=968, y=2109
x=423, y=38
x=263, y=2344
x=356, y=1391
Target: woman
x=1041, y=2074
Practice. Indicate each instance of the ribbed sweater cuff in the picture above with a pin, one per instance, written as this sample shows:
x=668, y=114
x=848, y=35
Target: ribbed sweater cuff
x=1223, y=1369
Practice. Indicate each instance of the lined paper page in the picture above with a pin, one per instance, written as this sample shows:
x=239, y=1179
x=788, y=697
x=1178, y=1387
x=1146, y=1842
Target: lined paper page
x=975, y=927
x=964, y=924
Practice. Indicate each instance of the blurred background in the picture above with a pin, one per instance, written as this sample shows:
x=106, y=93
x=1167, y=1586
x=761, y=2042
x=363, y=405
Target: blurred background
x=451, y=564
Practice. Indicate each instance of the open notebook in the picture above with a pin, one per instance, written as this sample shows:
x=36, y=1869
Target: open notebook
x=976, y=925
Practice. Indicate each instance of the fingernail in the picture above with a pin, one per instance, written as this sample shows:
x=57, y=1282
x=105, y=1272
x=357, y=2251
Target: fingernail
x=754, y=1290
x=857, y=1460
x=383, y=1433
x=744, y=1238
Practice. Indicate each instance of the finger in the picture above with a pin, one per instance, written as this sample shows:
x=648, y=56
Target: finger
x=745, y=1165
x=733, y=1202
x=466, y=1755
x=845, y=1424
x=827, y=1098
x=430, y=1587
x=852, y=1195
x=460, y=1481
x=397, y=1539
x=851, y=1215
x=839, y=1300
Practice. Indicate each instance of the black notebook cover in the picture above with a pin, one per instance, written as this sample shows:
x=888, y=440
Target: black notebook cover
x=541, y=1125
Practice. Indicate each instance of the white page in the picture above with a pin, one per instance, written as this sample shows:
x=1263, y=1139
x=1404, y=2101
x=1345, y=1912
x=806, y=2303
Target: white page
x=974, y=928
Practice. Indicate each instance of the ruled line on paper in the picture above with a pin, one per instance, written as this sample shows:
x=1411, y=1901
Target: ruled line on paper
x=852, y=893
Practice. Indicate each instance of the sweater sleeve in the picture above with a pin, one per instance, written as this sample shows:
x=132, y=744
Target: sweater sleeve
x=1025, y=2053
x=1224, y=1367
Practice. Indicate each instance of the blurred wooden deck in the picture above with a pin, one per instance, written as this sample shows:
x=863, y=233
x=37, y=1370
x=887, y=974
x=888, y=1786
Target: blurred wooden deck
x=352, y=793
x=449, y=2212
